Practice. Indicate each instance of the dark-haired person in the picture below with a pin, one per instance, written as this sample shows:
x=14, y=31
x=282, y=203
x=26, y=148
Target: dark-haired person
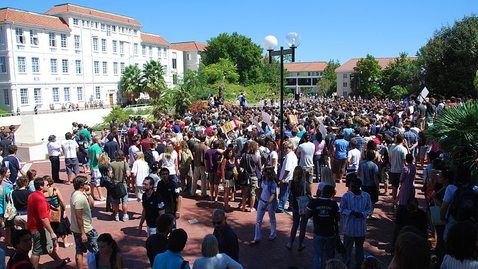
x=121, y=173
x=111, y=146
x=22, y=242
x=339, y=152
x=11, y=162
x=407, y=180
x=225, y=235
x=412, y=251
x=153, y=207
x=20, y=199
x=397, y=160
x=461, y=247
x=169, y=190
x=70, y=149
x=368, y=173
x=158, y=242
x=172, y=257
x=108, y=255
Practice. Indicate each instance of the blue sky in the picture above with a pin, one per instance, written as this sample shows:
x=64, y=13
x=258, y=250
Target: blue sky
x=329, y=29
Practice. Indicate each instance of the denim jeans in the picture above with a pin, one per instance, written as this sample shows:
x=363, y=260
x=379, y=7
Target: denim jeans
x=271, y=209
x=319, y=243
x=318, y=164
x=349, y=242
x=298, y=219
x=283, y=195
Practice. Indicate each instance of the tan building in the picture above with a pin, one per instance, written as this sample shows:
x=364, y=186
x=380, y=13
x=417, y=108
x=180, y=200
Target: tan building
x=345, y=71
x=191, y=53
x=303, y=77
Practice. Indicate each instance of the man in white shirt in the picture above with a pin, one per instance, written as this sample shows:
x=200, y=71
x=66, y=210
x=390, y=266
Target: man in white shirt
x=288, y=166
x=70, y=149
x=353, y=159
x=54, y=151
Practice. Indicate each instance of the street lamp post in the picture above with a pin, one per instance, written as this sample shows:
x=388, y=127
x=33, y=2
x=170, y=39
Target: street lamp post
x=270, y=42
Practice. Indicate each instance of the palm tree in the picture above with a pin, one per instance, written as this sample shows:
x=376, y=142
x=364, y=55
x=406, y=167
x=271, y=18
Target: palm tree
x=153, y=79
x=182, y=99
x=130, y=82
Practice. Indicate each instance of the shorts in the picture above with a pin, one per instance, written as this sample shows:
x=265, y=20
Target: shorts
x=123, y=200
x=91, y=245
x=72, y=166
x=213, y=178
x=309, y=174
x=372, y=191
x=95, y=177
x=254, y=185
x=339, y=166
x=42, y=242
x=385, y=175
x=395, y=179
x=229, y=183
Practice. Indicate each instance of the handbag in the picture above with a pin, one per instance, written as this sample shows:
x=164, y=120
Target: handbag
x=55, y=210
x=338, y=245
x=55, y=215
x=243, y=178
x=117, y=191
x=303, y=201
x=10, y=210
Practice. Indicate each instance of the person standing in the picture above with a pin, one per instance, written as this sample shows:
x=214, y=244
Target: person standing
x=326, y=216
x=70, y=149
x=94, y=152
x=38, y=223
x=121, y=173
x=54, y=152
x=111, y=146
x=169, y=190
x=355, y=206
x=368, y=173
x=340, y=156
x=172, y=257
x=305, y=152
x=225, y=235
x=13, y=164
x=397, y=162
x=298, y=187
x=199, y=166
x=153, y=207
x=158, y=242
x=407, y=181
x=288, y=166
x=85, y=235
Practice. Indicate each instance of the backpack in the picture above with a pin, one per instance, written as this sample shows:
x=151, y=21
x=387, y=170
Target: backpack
x=464, y=205
x=148, y=157
x=186, y=159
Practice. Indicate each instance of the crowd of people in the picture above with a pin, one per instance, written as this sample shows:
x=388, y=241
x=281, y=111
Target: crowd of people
x=371, y=146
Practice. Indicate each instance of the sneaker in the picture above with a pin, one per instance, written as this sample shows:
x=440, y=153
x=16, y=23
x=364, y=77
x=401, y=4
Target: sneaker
x=125, y=217
x=117, y=217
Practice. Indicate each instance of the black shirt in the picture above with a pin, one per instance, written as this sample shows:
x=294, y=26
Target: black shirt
x=20, y=199
x=21, y=259
x=227, y=241
x=152, y=205
x=155, y=244
x=170, y=192
x=324, y=213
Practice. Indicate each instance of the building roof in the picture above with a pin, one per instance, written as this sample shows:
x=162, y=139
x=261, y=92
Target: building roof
x=350, y=64
x=185, y=46
x=21, y=16
x=301, y=67
x=92, y=12
x=156, y=39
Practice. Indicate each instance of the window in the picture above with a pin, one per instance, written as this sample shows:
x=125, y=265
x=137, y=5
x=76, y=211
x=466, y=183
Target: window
x=63, y=40
x=52, y=39
x=56, y=95
x=175, y=79
x=114, y=28
x=6, y=98
x=66, y=92
x=64, y=66
x=76, y=21
x=344, y=75
x=97, y=92
x=20, y=37
x=77, y=41
x=115, y=68
x=79, y=93
x=103, y=45
x=3, y=65
x=33, y=38
x=108, y=30
x=174, y=63
x=345, y=84
x=78, y=66
x=115, y=43
x=35, y=65
x=143, y=50
x=165, y=69
x=188, y=56
x=96, y=24
x=22, y=68
x=53, y=66
x=96, y=67
x=95, y=43
x=23, y=96
x=122, y=68
x=159, y=52
x=121, y=47
x=150, y=51
x=105, y=68
x=135, y=46
x=37, y=95
x=103, y=26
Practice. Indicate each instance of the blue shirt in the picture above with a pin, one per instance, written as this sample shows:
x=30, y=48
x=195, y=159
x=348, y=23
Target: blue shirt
x=168, y=260
x=368, y=170
x=353, y=226
x=341, y=146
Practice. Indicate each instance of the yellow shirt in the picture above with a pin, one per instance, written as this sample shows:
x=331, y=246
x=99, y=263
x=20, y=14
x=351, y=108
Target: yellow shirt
x=79, y=200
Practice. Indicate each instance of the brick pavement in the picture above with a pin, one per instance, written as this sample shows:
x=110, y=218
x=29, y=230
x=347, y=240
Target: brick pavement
x=196, y=221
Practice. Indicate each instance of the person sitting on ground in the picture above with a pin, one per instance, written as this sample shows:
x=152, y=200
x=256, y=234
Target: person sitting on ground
x=212, y=258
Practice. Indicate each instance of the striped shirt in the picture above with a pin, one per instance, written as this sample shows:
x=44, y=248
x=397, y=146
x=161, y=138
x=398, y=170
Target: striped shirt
x=353, y=226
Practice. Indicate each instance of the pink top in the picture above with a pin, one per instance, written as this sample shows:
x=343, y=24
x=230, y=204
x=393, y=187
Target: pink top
x=319, y=147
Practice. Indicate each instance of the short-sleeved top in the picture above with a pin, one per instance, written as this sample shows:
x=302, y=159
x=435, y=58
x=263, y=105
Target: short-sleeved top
x=169, y=259
x=324, y=214
x=289, y=164
x=397, y=155
x=152, y=205
x=307, y=151
x=37, y=209
x=79, y=200
x=155, y=244
x=268, y=189
x=5, y=191
x=212, y=157
x=119, y=171
x=20, y=199
x=170, y=192
x=69, y=148
x=341, y=146
x=13, y=164
x=368, y=170
x=94, y=149
x=354, y=156
x=86, y=133
x=141, y=170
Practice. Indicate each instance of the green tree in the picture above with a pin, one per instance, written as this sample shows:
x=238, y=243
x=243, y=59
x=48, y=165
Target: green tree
x=475, y=82
x=195, y=83
x=153, y=82
x=328, y=83
x=397, y=92
x=181, y=98
x=240, y=50
x=450, y=58
x=270, y=73
x=402, y=72
x=369, y=75
x=130, y=83
x=224, y=69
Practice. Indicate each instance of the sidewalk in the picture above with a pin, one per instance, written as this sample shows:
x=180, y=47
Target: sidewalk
x=196, y=220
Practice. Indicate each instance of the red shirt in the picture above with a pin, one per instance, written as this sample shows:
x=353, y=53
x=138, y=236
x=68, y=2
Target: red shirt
x=37, y=209
x=146, y=143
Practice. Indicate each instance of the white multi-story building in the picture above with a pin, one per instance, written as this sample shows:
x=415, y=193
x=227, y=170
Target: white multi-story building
x=191, y=53
x=73, y=55
x=303, y=77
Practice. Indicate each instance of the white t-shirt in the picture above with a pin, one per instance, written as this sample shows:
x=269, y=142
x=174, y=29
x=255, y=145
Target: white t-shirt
x=141, y=170
x=354, y=157
x=69, y=148
x=289, y=164
x=306, y=154
x=171, y=163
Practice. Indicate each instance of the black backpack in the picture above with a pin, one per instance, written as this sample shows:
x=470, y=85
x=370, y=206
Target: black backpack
x=464, y=205
x=148, y=157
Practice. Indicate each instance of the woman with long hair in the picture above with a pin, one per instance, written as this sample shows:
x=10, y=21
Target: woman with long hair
x=273, y=158
x=228, y=165
x=461, y=247
x=185, y=160
x=319, y=160
x=20, y=199
x=108, y=256
x=298, y=187
x=170, y=161
x=4, y=196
